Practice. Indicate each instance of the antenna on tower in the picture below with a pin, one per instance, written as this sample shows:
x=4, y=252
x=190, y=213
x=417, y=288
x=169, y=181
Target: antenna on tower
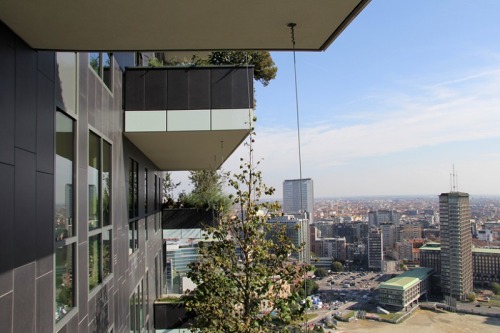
x=453, y=180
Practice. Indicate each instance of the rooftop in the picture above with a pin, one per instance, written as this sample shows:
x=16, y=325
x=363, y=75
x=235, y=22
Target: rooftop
x=407, y=279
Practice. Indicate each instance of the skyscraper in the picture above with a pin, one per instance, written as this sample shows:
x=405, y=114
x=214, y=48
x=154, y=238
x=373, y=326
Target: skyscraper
x=297, y=229
x=375, y=250
x=456, y=244
x=296, y=202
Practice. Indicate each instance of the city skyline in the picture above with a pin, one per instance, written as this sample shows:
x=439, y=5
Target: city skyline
x=406, y=92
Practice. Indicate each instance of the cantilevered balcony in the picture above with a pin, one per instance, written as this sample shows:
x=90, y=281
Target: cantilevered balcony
x=188, y=118
x=178, y=25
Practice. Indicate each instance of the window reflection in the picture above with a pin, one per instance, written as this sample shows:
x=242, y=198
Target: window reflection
x=94, y=261
x=64, y=191
x=93, y=181
x=64, y=288
x=107, y=253
x=106, y=183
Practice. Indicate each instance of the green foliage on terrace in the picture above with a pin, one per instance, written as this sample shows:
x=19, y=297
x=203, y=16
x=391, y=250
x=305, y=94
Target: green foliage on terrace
x=245, y=281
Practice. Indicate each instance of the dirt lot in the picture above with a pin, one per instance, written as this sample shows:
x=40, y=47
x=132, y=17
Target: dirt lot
x=427, y=322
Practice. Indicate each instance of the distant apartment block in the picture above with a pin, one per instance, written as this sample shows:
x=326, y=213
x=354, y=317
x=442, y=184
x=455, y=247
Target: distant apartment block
x=377, y=217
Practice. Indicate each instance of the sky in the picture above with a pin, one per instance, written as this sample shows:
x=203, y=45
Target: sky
x=408, y=90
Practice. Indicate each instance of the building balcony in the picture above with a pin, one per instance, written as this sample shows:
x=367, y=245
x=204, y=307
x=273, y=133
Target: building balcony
x=178, y=25
x=188, y=118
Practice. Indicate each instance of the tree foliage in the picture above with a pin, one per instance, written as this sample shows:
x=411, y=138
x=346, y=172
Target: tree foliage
x=245, y=281
x=207, y=192
x=495, y=287
x=265, y=69
x=311, y=287
x=337, y=266
x=321, y=272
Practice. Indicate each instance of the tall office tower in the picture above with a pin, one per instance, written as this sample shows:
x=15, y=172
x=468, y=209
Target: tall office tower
x=294, y=201
x=297, y=229
x=375, y=250
x=456, y=244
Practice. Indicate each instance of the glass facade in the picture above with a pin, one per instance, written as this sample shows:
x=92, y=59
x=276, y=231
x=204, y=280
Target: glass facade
x=64, y=177
x=106, y=183
x=94, y=174
x=64, y=287
x=95, y=276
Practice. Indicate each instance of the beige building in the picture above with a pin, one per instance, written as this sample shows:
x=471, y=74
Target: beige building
x=456, y=244
x=404, y=290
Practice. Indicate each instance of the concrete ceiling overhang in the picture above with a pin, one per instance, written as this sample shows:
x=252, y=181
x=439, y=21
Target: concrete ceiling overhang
x=181, y=25
x=189, y=150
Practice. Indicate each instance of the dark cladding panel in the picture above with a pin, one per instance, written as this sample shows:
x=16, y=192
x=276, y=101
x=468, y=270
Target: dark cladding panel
x=25, y=85
x=155, y=90
x=199, y=89
x=44, y=216
x=45, y=125
x=177, y=89
x=6, y=226
x=221, y=88
x=7, y=99
x=242, y=89
x=24, y=208
x=46, y=63
x=134, y=89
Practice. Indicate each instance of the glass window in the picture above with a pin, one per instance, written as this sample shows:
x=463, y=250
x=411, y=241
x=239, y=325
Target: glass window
x=102, y=64
x=106, y=183
x=133, y=191
x=156, y=194
x=107, y=253
x=64, y=287
x=64, y=175
x=94, y=174
x=95, y=276
x=145, y=191
x=133, y=237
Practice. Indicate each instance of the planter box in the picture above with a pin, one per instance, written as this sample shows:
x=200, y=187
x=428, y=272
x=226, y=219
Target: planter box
x=171, y=315
x=188, y=218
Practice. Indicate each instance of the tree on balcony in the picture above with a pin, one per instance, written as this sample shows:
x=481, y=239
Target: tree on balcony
x=245, y=280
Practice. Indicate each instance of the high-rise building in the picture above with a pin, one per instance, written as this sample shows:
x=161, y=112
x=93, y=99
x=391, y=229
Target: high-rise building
x=456, y=244
x=298, y=196
x=375, y=250
x=297, y=229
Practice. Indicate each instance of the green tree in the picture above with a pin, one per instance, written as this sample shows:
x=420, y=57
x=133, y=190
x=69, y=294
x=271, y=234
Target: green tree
x=168, y=188
x=337, y=266
x=310, y=288
x=321, y=272
x=495, y=287
x=245, y=281
x=264, y=68
x=207, y=192
x=471, y=297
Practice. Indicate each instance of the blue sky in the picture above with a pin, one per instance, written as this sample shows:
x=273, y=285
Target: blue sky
x=407, y=90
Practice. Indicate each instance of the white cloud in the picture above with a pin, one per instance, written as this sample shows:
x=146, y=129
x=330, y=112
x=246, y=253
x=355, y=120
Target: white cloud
x=453, y=111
